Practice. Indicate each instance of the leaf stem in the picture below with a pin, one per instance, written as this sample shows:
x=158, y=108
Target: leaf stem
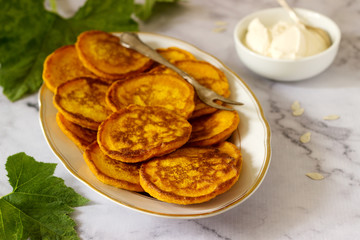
x=53, y=6
x=6, y=195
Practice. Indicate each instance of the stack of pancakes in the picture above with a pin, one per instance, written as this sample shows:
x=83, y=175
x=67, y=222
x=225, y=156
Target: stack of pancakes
x=140, y=125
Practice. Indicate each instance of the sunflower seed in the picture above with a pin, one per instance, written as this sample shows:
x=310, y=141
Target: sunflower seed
x=305, y=138
x=297, y=109
x=331, y=117
x=315, y=176
x=298, y=112
x=295, y=106
x=219, y=29
x=220, y=23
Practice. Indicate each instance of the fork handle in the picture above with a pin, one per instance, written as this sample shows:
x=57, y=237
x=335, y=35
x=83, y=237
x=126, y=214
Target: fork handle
x=132, y=40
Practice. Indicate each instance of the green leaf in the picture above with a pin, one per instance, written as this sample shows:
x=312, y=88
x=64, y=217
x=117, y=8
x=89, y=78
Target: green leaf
x=21, y=47
x=110, y=16
x=144, y=11
x=40, y=203
x=31, y=33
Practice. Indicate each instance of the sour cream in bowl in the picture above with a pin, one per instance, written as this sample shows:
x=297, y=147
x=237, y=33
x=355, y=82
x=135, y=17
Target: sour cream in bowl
x=270, y=44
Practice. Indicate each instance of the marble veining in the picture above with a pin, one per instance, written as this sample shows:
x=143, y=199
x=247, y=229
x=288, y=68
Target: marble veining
x=33, y=105
x=288, y=204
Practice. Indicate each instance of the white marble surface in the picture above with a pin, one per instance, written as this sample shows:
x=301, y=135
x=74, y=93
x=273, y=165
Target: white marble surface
x=288, y=205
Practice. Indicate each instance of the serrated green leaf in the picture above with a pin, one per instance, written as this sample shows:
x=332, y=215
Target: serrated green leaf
x=21, y=46
x=40, y=204
x=145, y=10
x=31, y=33
x=110, y=16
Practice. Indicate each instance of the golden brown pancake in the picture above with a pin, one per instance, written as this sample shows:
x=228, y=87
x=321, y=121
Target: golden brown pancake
x=201, y=69
x=213, y=128
x=201, y=108
x=103, y=54
x=137, y=133
x=164, y=90
x=112, y=172
x=82, y=137
x=63, y=65
x=173, y=54
x=192, y=174
x=82, y=101
x=207, y=75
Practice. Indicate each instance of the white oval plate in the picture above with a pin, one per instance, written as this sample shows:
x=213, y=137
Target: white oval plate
x=254, y=142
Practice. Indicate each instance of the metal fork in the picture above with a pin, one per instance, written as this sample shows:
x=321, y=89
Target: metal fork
x=208, y=96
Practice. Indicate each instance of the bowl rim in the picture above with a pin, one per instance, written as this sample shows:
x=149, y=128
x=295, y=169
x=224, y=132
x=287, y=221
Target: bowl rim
x=334, y=45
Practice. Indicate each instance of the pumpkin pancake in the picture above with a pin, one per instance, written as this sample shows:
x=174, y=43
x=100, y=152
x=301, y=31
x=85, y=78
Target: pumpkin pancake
x=201, y=108
x=82, y=137
x=164, y=90
x=137, y=133
x=63, y=65
x=112, y=172
x=213, y=128
x=173, y=54
x=82, y=101
x=201, y=69
x=103, y=54
x=207, y=75
x=192, y=174
x=158, y=69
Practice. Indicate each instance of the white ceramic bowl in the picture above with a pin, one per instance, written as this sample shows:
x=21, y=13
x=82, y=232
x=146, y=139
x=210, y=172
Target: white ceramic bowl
x=284, y=69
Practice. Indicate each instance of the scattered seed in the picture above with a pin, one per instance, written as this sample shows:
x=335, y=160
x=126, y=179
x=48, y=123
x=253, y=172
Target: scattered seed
x=298, y=112
x=331, y=117
x=220, y=23
x=297, y=109
x=295, y=106
x=305, y=138
x=219, y=29
x=315, y=176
